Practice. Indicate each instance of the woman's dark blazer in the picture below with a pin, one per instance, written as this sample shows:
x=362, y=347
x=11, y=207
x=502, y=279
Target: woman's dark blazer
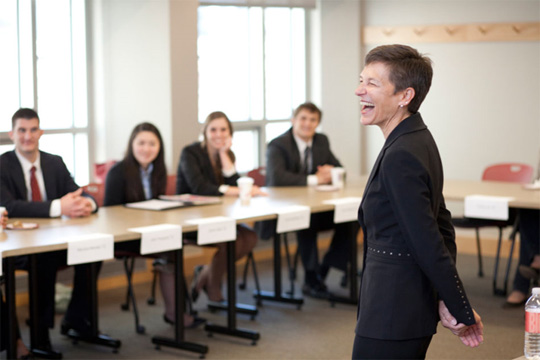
x=409, y=247
x=195, y=174
x=115, y=186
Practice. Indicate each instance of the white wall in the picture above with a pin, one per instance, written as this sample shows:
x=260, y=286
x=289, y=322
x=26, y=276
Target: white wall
x=132, y=72
x=340, y=59
x=483, y=107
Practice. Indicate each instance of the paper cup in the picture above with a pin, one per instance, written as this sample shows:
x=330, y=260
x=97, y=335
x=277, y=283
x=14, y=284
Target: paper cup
x=245, y=184
x=2, y=209
x=338, y=177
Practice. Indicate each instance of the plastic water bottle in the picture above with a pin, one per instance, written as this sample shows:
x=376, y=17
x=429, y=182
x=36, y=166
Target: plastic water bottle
x=532, y=326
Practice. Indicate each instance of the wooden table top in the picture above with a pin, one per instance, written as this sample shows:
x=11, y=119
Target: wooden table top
x=52, y=233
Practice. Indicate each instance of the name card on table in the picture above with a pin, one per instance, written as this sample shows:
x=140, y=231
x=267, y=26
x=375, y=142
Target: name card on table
x=293, y=218
x=487, y=207
x=159, y=238
x=215, y=229
x=89, y=248
x=346, y=209
x=1, y=262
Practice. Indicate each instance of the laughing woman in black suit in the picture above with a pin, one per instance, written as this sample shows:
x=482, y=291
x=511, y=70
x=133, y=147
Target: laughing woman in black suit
x=409, y=276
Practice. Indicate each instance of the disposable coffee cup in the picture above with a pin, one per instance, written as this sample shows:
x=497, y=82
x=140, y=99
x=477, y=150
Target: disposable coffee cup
x=245, y=184
x=338, y=177
x=2, y=209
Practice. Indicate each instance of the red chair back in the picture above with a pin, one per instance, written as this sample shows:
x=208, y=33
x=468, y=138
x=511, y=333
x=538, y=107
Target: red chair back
x=171, y=185
x=97, y=191
x=259, y=175
x=509, y=172
x=101, y=170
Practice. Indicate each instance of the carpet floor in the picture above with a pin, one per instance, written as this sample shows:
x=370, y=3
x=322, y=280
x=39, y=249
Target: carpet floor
x=316, y=331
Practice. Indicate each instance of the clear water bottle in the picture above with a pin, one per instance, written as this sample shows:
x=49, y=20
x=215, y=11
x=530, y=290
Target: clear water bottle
x=532, y=326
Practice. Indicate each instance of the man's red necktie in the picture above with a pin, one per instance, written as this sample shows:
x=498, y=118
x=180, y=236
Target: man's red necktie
x=36, y=194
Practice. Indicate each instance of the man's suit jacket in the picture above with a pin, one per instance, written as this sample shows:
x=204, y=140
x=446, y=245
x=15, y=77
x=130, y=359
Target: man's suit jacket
x=13, y=192
x=284, y=168
x=409, y=247
x=283, y=162
x=195, y=174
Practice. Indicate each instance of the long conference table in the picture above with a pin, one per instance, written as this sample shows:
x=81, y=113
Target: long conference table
x=116, y=220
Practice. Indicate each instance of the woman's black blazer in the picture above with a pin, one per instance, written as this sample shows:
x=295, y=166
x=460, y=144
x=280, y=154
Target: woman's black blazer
x=195, y=174
x=409, y=247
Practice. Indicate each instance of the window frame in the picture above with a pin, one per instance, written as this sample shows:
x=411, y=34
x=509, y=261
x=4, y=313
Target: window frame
x=260, y=124
x=73, y=129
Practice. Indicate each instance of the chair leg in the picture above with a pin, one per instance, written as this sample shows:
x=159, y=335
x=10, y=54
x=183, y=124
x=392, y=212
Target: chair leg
x=496, y=291
x=292, y=271
x=256, y=278
x=479, y=249
x=512, y=238
x=152, y=299
x=295, y=264
x=128, y=267
x=242, y=285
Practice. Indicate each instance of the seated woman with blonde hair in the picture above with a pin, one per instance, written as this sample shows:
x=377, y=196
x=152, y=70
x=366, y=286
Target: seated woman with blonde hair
x=208, y=168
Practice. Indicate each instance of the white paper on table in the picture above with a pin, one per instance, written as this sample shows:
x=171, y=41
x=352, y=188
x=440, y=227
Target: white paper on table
x=155, y=204
x=214, y=230
x=487, y=207
x=1, y=262
x=346, y=209
x=159, y=238
x=292, y=218
x=89, y=248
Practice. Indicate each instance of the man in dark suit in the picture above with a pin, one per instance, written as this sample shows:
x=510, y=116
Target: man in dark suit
x=37, y=184
x=301, y=157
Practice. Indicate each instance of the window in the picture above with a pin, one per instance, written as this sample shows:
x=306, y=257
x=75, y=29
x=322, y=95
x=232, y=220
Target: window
x=252, y=66
x=43, y=66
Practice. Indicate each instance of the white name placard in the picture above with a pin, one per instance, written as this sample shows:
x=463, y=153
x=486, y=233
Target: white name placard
x=487, y=207
x=346, y=209
x=293, y=218
x=159, y=238
x=215, y=229
x=89, y=248
x=1, y=262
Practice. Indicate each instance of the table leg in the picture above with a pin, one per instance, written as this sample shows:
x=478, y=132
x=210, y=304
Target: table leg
x=353, y=270
x=94, y=336
x=231, y=328
x=178, y=341
x=278, y=294
x=11, y=308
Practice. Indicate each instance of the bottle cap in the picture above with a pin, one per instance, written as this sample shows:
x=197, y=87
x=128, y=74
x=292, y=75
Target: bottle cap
x=536, y=291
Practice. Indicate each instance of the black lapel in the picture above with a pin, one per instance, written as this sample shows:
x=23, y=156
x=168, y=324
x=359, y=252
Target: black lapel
x=17, y=174
x=49, y=175
x=294, y=153
x=411, y=124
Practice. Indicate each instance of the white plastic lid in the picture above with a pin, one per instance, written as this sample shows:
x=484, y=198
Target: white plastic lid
x=536, y=291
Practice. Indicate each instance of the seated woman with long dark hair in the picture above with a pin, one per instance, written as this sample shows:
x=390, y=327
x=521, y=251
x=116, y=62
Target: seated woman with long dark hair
x=207, y=168
x=142, y=175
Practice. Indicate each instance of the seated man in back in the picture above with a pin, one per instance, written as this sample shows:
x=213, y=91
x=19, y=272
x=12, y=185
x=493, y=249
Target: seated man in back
x=34, y=183
x=301, y=157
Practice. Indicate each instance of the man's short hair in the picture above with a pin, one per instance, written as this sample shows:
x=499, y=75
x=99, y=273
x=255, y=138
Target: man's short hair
x=23, y=113
x=308, y=106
